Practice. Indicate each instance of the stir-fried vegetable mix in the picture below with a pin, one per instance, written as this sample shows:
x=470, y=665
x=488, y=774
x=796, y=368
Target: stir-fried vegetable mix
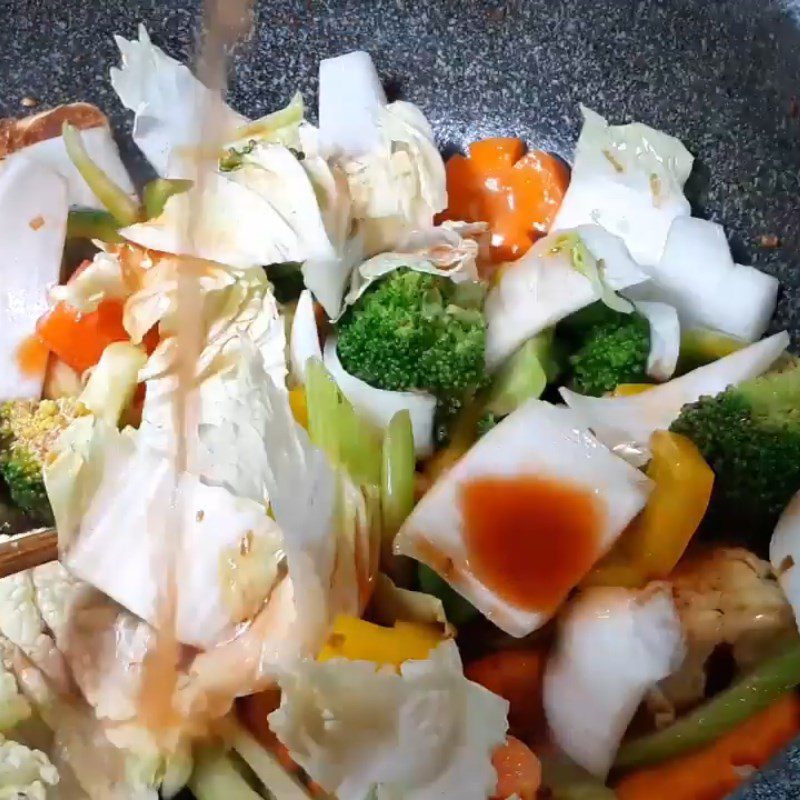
x=326, y=527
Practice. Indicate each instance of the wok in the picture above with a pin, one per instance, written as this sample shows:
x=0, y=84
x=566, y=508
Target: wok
x=720, y=74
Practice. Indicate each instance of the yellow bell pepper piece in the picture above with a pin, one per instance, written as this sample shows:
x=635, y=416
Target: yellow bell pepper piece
x=653, y=543
x=630, y=389
x=299, y=406
x=359, y=640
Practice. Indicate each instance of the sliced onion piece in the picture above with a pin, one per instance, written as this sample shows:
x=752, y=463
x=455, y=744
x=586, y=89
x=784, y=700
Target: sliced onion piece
x=380, y=405
x=350, y=99
x=103, y=151
x=304, y=337
x=33, y=220
x=613, y=645
x=698, y=276
x=784, y=554
x=665, y=338
x=537, y=442
x=627, y=422
x=629, y=179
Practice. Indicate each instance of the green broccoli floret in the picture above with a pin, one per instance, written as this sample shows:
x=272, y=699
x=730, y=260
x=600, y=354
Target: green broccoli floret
x=413, y=330
x=28, y=431
x=750, y=437
x=610, y=352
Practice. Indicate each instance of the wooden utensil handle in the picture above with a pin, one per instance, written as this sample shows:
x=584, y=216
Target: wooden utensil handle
x=28, y=550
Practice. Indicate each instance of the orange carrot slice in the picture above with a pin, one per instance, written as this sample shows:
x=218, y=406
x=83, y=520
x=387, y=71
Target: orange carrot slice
x=715, y=771
x=519, y=771
x=517, y=193
x=515, y=675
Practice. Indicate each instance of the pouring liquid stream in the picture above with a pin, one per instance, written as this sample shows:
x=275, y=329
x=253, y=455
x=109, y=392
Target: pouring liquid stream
x=224, y=23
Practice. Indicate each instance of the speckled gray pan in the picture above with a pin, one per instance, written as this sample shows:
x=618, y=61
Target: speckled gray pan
x=720, y=74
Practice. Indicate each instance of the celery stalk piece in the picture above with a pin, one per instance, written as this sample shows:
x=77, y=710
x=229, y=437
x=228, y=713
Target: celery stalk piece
x=458, y=609
x=216, y=778
x=89, y=223
x=335, y=427
x=396, y=496
x=267, y=768
x=397, y=474
x=565, y=780
x=124, y=209
x=156, y=193
x=273, y=126
x=765, y=684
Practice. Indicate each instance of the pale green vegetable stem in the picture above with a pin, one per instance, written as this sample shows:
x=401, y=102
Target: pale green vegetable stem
x=753, y=693
x=124, y=209
x=397, y=474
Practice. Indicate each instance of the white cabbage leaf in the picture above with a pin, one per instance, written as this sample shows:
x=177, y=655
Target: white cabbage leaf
x=628, y=179
x=100, y=280
x=103, y=151
x=612, y=646
x=312, y=197
x=169, y=104
x=536, y=440
x=391, y=603
x=306, y=494
x=626, y=423
x=380, y=405
x=226, y=561
x=235, y=305
x=273, y=209
x=400, y=186
x=394, y=170
x=280, y=127
x=422, y=734
x=665, y=338
x=698, y=276
x=113, y=381
x=223, y=220
x=33, y=219
x=449, y=250
x=561, y=274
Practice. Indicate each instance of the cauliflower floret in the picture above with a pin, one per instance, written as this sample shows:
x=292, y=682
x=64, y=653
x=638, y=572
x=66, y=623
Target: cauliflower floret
x=14, y=708
x=22, y=624
x=24, y=773
x=726, y=598
x=50, y=619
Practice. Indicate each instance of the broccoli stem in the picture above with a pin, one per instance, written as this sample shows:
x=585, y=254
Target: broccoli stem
x=334, y=426
x=753, y=693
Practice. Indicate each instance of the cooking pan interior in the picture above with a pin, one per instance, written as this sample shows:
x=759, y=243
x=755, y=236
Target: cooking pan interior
x=720, y=75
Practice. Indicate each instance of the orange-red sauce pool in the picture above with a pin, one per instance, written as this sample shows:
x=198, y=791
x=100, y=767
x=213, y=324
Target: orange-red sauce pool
x=530, y=539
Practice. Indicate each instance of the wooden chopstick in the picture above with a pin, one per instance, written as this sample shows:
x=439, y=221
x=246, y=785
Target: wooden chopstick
x=28, y=550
